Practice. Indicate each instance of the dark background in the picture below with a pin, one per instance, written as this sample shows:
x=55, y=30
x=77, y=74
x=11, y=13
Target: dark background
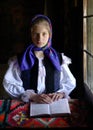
x=66, y=18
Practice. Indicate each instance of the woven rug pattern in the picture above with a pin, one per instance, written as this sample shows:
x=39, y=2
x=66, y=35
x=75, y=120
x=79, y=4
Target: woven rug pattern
x=15, y=113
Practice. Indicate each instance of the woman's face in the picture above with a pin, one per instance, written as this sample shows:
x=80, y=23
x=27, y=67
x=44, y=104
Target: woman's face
x=39, y=35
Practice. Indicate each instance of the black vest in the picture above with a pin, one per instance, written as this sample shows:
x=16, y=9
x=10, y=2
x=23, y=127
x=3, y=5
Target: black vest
x=52, y=79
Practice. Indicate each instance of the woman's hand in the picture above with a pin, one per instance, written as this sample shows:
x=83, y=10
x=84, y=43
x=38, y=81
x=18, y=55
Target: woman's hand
x=41, y=98
x=47, y=98
x=56, y=96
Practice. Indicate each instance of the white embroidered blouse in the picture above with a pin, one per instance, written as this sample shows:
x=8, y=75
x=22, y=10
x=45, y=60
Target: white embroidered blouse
x=14, y=86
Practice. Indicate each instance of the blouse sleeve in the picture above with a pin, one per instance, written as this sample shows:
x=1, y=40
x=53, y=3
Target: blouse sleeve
x=12, y=81
x=13, y=84
x=67, y=80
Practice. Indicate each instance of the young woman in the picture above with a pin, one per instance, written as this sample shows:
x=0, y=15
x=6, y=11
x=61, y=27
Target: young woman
x=40, y=73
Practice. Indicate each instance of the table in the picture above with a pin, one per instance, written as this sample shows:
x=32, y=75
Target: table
x=15, y=113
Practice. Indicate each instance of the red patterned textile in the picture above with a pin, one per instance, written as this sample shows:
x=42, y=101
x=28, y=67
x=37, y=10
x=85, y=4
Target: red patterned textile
x=14, y=113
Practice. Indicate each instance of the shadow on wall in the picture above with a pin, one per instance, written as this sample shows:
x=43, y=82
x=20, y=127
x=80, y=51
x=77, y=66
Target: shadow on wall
x=3, y=94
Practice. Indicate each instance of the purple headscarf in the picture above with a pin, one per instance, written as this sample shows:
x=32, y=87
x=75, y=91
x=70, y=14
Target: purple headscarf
x=28, y=58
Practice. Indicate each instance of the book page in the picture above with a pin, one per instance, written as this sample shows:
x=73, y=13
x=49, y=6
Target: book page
x=60, y=106
x=37, y=109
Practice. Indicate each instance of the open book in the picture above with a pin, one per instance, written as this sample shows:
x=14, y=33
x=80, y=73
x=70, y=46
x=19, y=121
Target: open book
x=57, y=108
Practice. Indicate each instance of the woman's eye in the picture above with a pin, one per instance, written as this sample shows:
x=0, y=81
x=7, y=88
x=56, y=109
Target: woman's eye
x=34, y=34
x=44, y=34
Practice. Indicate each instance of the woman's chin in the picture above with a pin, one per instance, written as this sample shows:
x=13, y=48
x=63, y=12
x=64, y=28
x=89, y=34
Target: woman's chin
x=39, y=45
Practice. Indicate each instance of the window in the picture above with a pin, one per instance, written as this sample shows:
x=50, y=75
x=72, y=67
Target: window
x=88, y=43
